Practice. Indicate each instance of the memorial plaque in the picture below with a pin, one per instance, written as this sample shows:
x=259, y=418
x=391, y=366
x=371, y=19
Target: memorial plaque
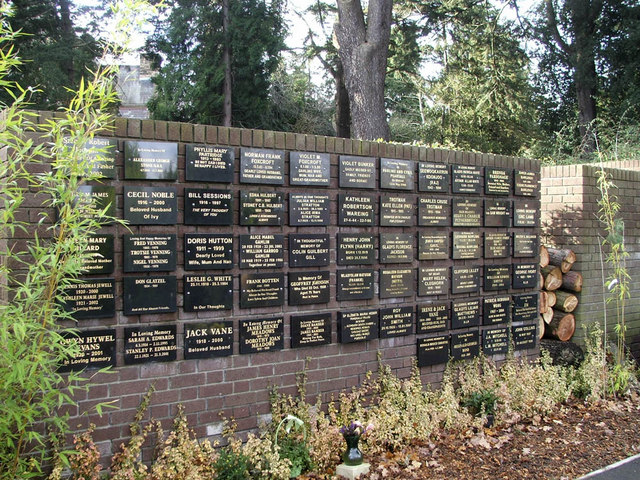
x=203, y=206
x=396, y=322
x=209, y=163
x=397, y=174
x=434, y=212
x=433, y=350
x=102, y=153
x=309, y=168
x=204, y=251
x=149, y=253
x=354, y=284
x=465, y=346
x=524, y=336
x=525, y=275
x=433, y=177
x=150, y=205
x=308, y=209
x=495, y=341
x=356, y=249
x=466, y=245
x=525, y=307
x=496, y=245
x=433, y=317
x=310, y=330
x=100, y=249
x=397, y=282
x=263, y=335
x=496, y=310
x=150, y=344
x=467, y=213
x=144, y=295
x=433, y=246
x=264, y=166
x=150, y=160
x=261, y=208
x=308, y=288
x=261, y=250
x=95, y=349
x=497, y=181
x=308, y=250
x=397, y=211
x=357, y=172
x=466, y=313
x=99, y=197
x=261, y=290
x=526, y=183
x=396, y=247
x=525, y=245
x=497, y=213
x=207, y=340
x=466, y=179
x=356, y=210
x=433, y=281
x=357, y=326
x=465, y=280
x=207, y=293
x=525, y=214
x=497, y=277
x=95, y=298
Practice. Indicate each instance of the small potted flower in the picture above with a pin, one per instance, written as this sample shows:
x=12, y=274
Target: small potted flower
x=352, y=433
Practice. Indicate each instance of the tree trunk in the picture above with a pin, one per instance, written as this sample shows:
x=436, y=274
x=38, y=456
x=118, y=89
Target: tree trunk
x=567, y=302
x=343, y=113
x=562, y=257
x=226, y=60
x=572, y=281
x=68, y=38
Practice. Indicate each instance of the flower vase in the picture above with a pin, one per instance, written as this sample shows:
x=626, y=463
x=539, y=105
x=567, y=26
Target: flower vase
x=352, y=455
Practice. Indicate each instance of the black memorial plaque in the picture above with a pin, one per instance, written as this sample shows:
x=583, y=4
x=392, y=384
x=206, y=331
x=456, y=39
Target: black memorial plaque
x=496, y=245
x=433, y=350
x=150, y=205
x=396, y=247
x=357, y=172
x=308, y=209
x=261, y=250
x=150, y=160
x=465, y=280
x=207, y=340
x=308, y=288
x=204, y=251
x=495, y=341
x=102, y=153
x=524, y=336
x=525, y=275
x=264, y=166
x=497, y=277
x=209, y=163
x=433, y=281
x=396, y=322
x=149, y=253
x=95, y=298
x=144, y=295
x=207, y=293
x=433, y=317
x=261, y=290
x=525, y=183
x=203, y=206
x=497, y=213
x=357, y=326
x=397, y=282
x=261, y=208
x=434, y=212
x=100, y=249
x=150, y=344
x=466, y=245
x=262, y=335
x=466, y=179
x=525, y=307
x=467, y=212
x=525, y=214
x=94, y=349
x=433, y=246
x=356, y=210
x=356, y=249
x=465, y=346
x=356, y=284
x=99, y=197
x=309, y=168
x=310, y=330
x=397, y=211
x=466, y=313
x=433, y=177
x=525, y=244
x=397, y=174
x=496, y=310
x=308, y=250
x=497, y=181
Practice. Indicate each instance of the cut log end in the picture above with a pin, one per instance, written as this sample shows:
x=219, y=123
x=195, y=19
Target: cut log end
x=552, y=277
x=566, y=301
x=544, y=256
x=562, y=326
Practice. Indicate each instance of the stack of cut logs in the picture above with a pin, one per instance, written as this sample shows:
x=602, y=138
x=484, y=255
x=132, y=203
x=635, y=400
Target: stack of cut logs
x=559, y=285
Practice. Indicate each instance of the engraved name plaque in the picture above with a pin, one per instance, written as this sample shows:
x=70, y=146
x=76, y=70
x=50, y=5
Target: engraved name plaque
x=396, y=322
x=496, y=310
x=495, y=341
x=354, y=284
x=465, y=280
x=102, y=153
x=263, y=335
x=396, y=247
x=261, y=208
x=433, y=281
x=466, y=245
x=308, y=288
x=93, y=298
x=150, y=205
x=397, y=282
x=144, y=295
x=207, y=207
x=308, y=250
x=434, y=212
x=357, y=326
x=466, y=179
x=467, y=212
x=207, y=340
x=95, y=349
x=356, y=210
x=526, y=183
x=356, y=249
x=357, y=172
x=465, y=346
x=149, y=253
x=433, y=246
x=204, y=251
x=433, y=177
x=261, y=166
x=396, y=174
x=261, y=250
x=208, y=293
x=497, y=181
x=466, y=313
x=497, y=213
x=150, y=160
x=525, y=245
x=310, y=330
x=307, y=209
x=99, y=197
x=397, y=211
x=261, y=290
x=524, y=336
x=525, y=214
x=496, y=245
x=100, y=248
x=525, y=307
x=497, y=277
x=525, y=275
x=209, y=163
x=309, y=168
x=433, y=317
x=150, y=344
x=433, y=350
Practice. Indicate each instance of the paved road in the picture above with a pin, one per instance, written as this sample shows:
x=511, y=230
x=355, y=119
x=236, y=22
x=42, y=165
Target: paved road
x=628, y=469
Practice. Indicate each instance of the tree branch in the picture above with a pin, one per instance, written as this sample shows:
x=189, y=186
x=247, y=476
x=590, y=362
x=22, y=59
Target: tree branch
x=553, y=26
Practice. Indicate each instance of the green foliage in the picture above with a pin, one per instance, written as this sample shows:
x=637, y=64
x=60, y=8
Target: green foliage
x=232, y=465
x=481, y=402
x=297, y=452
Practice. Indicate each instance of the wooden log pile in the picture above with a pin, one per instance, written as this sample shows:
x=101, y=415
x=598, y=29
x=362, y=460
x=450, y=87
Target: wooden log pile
x=559, y=285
